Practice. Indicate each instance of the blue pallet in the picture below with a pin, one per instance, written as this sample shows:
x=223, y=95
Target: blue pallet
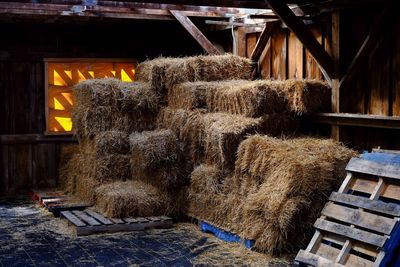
x=206, y=227
x=388, y=158
x=392, y=249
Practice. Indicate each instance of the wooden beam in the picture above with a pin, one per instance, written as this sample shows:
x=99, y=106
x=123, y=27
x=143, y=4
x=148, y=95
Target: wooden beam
x=234, y=24
x=262, y=41
x=121, y=9
x=8, y=139
x=369, y=44
x=359, y=120
x=195, y=5
x=195, y=32
x=322, y=58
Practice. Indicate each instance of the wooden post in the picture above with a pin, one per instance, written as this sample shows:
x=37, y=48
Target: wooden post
x=336, y=80
x=240, y=41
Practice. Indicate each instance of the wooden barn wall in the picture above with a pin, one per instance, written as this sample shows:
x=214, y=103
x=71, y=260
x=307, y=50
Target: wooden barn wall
x=22, y=48
x=285, y=56
x=374, y=90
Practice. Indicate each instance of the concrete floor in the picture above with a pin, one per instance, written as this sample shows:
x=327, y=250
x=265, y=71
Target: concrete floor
x=30, y=236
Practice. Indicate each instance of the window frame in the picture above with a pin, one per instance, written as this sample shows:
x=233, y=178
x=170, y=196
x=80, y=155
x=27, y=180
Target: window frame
x=47, y=131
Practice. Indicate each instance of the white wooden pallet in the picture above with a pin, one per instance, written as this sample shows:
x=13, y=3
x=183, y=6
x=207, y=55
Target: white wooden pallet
x=356, y=224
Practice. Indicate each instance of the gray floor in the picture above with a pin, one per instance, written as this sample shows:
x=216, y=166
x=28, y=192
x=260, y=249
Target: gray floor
x=30, y=236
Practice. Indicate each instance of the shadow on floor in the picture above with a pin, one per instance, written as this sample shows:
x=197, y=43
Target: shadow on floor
x=30, y=236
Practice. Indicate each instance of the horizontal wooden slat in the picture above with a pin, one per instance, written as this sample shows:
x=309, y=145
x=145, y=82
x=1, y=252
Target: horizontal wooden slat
x=373, y=168
x=360, y=120
x=359, y=218
x=57, y=208
x=99, y=217
x=395, y=152
x=350, y=232
x=34, y=138
x=365, y=203
x=86, y=218
x=72, y=218
x=315, y=260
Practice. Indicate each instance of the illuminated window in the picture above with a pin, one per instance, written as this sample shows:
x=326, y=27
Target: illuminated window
x=62, y=74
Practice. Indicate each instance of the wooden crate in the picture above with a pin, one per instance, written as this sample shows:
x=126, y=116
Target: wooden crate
x=359, y=225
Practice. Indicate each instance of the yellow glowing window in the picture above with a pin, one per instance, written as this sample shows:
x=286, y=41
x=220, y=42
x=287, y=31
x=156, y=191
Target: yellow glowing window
x=62, y=74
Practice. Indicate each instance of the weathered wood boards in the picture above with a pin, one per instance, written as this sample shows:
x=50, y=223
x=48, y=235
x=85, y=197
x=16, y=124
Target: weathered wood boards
x=358, y=228
x=55, y=202
x=373, y=168
x=90, y=222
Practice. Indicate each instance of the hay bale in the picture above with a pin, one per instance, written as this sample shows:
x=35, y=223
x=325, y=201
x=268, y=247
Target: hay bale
x=111, y=142
x=205, y=192
x=151, y=149
x=112, y=167
x=109, y=104
x=247, y=98
x=189, y=95
x=163, y=73
x=306, y=96
x=292, y=175
x=130, y=199
x=223, y=134
x=156, y=158
x=90, y=168
x=66, y=155
x=276, y=192
x=223, y=67
x=69, y=172
x=97, y=92
x=189, y=128
x=210, y=137
x=206, y=179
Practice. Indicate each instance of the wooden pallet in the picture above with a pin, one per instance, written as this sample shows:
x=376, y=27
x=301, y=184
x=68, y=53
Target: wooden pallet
x=56, y=202
x=359, y=224
x=89, y=222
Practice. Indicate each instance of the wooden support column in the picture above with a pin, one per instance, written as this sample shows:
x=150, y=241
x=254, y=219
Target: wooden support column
x=335, y=84
x=240, y=41
x=263, y=40
x=323, y=59
x=370, y=43
x=195, y=32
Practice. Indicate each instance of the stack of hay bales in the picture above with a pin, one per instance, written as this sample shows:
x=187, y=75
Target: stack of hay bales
x=149, y=160
x=190, y=138
x=105, y=113
x=276, y=191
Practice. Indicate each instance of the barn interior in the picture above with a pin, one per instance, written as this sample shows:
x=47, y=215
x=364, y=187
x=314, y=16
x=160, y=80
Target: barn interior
x=132, y=130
